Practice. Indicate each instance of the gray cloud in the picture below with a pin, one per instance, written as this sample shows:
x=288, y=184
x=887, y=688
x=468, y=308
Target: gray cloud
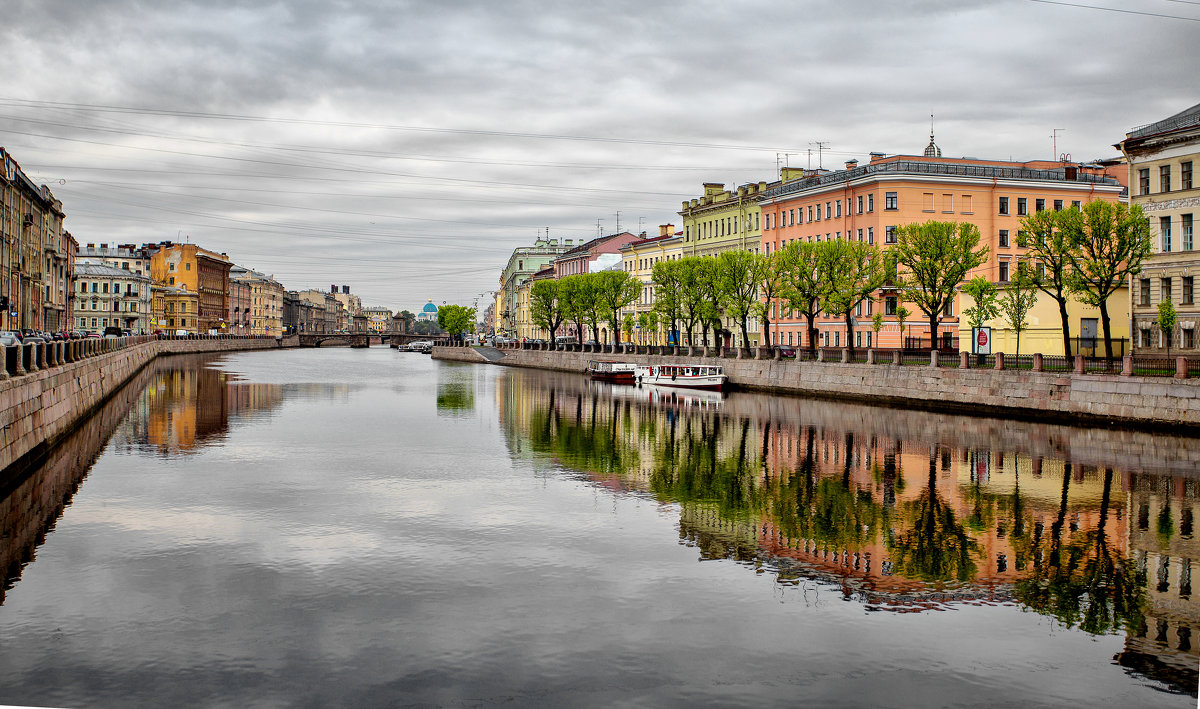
x=401, y=214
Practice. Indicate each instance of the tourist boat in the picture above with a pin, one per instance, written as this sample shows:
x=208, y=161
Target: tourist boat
x=691, y=376
x=610, y=371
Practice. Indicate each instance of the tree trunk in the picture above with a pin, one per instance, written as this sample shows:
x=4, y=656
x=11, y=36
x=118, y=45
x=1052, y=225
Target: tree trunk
x=849, y=335
x=812, y=332
x=1066, y=326
x=745, y=336
x=933, y=323
x=1107, y=336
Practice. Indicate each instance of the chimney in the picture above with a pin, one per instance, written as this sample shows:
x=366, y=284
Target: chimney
x=104, y=246
x=851, y=164
x=876, y=156
x=666, y=230
x=91, y=246
x=345, y=289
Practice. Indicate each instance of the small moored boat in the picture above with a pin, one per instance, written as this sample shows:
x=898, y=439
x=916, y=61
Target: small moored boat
x=611, y=371
x=691, y=376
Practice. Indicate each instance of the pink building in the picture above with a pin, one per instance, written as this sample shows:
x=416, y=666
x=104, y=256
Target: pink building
x=239, y=308
x=596, y=255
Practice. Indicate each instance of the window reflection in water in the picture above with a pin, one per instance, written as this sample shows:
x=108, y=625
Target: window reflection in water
x=900, y=510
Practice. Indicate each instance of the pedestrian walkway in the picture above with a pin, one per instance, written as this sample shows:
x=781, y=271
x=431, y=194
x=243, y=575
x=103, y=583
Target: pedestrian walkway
x=491, y=354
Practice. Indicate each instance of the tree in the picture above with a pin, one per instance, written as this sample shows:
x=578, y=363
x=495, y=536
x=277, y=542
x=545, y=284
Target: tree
x=1166, y=321
x=902, y=314
x=573, y=292
x=669, y=291
x=615, y=290
x=545, y=308
x=983, y=292
x=1110, y=240
x=408, y=319
x=853, y=271
x=737, y=282
x=1049, y=252
x=1018, y=299
x=770, y=283
x=709, y=293
x=647, y=321
x=877, y=325
x=937, y=256
x=804, y=282
x=456, y=319
x=693, y=271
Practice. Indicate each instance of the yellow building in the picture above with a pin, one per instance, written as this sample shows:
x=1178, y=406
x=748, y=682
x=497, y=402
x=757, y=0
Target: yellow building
x=1043, y=333
x=379, y=319
x=175, y=310
x=196, y=270
x=638, y=259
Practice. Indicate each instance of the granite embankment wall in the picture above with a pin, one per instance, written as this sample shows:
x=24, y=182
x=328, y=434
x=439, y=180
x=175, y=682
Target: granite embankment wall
x=40, y=408
x=1154, y=402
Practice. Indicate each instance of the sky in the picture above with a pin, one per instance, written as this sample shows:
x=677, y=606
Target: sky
x=406, y=148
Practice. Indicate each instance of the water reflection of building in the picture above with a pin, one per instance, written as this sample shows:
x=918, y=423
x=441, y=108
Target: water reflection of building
x=903, y=510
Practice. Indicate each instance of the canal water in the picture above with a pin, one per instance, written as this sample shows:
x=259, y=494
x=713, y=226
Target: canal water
x=372, y=528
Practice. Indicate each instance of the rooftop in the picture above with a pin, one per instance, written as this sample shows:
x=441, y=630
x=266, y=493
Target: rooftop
x=1187, y=118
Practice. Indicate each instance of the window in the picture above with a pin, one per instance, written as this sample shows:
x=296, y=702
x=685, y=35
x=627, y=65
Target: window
x=870, y=235
x=1188, y=293
x=104, y=288
x=1022, y=206
x=1004, y=271
x=1164, y=178
x=1004, y=238
x=1185, y=175
x=1144, y=291
x=1058, y=205
x=1185, y=222
x=926, y=201
x=860, y=234
x=82, y=287
x=1074, y=204
x=1165, y=289
x=810, y=218
x=1189, y=339
x=859, y=202
x=965, y=204
x=889, y=235
x=1164, y=230
x=1144, y=181
x=1040, y=205
x=889, y=305
x=827, y=212
x=871, y=203
x=1004, y=205
x=891, y=201
x=948, y=311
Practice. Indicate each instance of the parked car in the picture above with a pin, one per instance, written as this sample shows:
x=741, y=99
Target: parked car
x=91, y=336
x=786, y=350
x=28, y=335
x=9, y=338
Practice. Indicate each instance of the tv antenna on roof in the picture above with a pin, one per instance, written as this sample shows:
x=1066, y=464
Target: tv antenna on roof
x=820, y=149
x=1054, y=139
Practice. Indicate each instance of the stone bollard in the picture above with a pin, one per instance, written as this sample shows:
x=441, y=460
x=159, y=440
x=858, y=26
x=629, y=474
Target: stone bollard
x=30, y=357
x=758, y=353
x=705, y=351
x=933, y=358
x=870, y=356
x=19, y=369
x=999, y=361
x=1078, y=364
x=52, y=354
x=845, y=355
x=895, y=356
x=820, y=355
x=964, y=360
x=1037, y=362
x=1127, y=366
x=778, y=354
x=3, y=362
x=1181, y=368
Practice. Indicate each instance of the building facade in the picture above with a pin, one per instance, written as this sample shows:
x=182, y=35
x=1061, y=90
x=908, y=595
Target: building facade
x=35, y=274
x=189, y=267
x=266, y=301
x=868, y=203
x=110, y=297
x=325, y=306
x=638, y=258
x=592, y=256
x=1162, y=157
x=379, y=319
x=523, y=263
x=238, y=321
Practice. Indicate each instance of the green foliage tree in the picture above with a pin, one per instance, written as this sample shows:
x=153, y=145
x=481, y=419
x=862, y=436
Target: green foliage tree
x=648, y=322
x=902, y=314
x=693, y=271
x=853, y=271
x=708, y=288
x=771, y=279
x=409, y=319
x=804, y=282
x=738, y=276
x=456, y=319
x=936, y=256
x=1048, y=249
x=669, y=291
x=545, y=308
x=877, y=324
x=615, y=290
x=1110, y=241
x=1018, y=299
x=1166, y=321
x=985, y=307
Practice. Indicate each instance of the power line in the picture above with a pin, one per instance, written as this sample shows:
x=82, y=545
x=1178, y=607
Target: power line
x=1115, y=9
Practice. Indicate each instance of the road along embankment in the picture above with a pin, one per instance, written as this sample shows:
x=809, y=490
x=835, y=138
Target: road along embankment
x=1158, y=403
x=47, y=389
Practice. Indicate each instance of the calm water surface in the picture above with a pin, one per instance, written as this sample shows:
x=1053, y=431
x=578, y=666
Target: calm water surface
x=371, y=528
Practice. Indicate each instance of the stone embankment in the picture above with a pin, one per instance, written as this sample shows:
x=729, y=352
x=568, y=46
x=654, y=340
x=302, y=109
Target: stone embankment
x=1069, y=397
x=46, y=389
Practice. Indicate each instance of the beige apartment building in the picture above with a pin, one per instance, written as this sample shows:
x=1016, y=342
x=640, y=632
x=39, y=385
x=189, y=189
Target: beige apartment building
x=638, y=259
x=1162, y=157
x=266, y=301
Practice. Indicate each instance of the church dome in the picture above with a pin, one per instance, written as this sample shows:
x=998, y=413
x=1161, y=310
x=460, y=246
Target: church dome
x=430, y=307
x=932, y=150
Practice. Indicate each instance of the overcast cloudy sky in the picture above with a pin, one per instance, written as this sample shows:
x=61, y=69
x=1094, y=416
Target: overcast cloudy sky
x=405, y=148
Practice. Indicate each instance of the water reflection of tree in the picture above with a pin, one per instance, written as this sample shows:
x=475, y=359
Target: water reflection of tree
x=692, y=469
x=1084, y=581
x=591, y=444
x=935, y=547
